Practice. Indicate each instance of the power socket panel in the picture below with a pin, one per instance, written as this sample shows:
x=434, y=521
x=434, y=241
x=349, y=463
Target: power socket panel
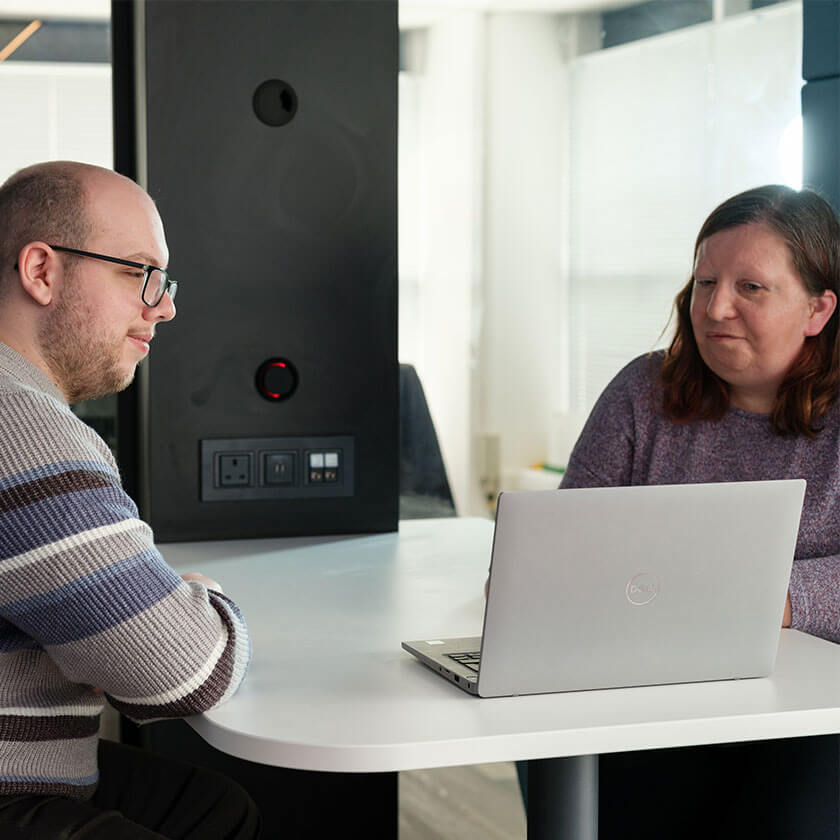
x=234, y=469
x=243, y=469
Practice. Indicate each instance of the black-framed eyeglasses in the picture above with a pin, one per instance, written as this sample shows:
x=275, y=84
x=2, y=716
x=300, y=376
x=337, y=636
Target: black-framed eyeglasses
x=156, y=281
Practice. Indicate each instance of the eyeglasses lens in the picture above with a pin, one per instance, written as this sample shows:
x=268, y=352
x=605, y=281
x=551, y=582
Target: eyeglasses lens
x=157, y=285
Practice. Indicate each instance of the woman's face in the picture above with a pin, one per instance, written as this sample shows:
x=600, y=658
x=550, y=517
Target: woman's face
x=751, y=312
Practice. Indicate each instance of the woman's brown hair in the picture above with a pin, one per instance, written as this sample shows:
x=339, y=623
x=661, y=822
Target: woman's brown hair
x=809, y=227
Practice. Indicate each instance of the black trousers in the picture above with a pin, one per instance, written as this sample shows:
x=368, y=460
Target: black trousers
x=141, y=796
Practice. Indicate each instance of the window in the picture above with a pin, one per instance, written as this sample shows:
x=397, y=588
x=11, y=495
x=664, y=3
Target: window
x=55, y=90
x=663, y=129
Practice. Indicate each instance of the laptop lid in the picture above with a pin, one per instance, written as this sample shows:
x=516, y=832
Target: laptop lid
x=624, y=586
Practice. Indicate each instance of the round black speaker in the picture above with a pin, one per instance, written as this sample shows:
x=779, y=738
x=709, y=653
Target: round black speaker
x=276, y=379
x=275, y=102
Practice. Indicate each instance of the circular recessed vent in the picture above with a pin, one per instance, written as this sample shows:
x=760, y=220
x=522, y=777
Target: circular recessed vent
x=275, y=102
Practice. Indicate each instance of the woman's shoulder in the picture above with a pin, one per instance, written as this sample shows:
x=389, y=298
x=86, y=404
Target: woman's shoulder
x=638, y=377
x=633, y=394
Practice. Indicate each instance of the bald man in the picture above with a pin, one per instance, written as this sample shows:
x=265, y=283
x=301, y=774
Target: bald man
x=88, y=607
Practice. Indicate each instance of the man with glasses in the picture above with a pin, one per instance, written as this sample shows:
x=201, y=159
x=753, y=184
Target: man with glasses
x=88, y=607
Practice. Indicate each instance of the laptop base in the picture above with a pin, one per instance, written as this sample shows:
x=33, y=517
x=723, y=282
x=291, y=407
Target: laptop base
x=437, y=655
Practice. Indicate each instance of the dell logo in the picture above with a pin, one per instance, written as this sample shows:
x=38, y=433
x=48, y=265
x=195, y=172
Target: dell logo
x=642, y=589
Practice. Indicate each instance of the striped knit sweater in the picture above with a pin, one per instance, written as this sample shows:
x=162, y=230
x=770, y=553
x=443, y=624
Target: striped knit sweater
x=87, y=604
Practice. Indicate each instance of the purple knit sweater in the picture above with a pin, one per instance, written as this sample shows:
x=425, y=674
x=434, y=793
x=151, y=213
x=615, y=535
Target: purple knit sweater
x=627, y=441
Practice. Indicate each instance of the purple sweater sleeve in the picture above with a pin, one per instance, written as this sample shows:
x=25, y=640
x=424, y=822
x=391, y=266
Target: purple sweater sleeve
x=815, y=596
x=627, y=441
x=603, y=454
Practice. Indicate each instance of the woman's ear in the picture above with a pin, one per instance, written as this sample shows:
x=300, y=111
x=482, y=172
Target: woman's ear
x=822, y=308
x=40, y=272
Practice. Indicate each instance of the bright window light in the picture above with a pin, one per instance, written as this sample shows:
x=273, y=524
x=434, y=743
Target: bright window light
x=790, y=154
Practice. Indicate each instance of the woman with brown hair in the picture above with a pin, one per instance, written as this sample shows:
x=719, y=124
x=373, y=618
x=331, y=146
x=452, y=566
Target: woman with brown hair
x=746, y=391
x=748, y=388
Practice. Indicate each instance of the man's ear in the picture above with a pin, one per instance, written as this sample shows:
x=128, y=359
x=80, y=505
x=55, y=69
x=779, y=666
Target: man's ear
x=40, y=271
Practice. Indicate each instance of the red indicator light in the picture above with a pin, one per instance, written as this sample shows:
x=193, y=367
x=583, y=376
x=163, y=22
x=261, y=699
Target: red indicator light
x=276, y=379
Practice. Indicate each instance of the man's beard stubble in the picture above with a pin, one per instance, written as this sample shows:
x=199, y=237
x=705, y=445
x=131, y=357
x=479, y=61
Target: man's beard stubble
x=84, y=363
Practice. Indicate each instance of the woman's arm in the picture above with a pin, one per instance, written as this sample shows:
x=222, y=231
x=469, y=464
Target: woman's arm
x=815, y=596
x=604, y=453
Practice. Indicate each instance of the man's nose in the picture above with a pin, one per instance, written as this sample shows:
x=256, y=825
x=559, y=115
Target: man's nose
x=164, y=311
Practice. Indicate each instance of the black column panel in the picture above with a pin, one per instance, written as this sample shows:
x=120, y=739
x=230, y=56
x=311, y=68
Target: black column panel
x=821, y=97
x=821, y=38
x=821, y=137
x=271, y=153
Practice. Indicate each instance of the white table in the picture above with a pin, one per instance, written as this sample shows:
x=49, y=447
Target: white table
x=330, y=689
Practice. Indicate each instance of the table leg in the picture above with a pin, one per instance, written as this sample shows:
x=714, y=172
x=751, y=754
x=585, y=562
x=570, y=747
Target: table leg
x=563, y=798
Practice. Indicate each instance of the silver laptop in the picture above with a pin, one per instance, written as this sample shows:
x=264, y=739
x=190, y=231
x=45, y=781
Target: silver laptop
x=625, y=586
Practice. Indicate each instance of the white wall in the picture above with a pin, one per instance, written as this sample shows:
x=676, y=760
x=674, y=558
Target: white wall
x=483, y=234
x=440, y=262
x=524, y=353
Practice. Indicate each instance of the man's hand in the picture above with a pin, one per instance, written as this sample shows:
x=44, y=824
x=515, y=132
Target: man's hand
x=208, y=582
x=787, y=618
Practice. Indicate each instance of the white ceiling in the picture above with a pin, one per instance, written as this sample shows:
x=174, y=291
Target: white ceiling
x=55, y=9
x=422, y=12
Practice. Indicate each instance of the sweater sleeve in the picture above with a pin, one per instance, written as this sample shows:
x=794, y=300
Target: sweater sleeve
x=815, y=596
x=81, y=577
x=603, y=454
